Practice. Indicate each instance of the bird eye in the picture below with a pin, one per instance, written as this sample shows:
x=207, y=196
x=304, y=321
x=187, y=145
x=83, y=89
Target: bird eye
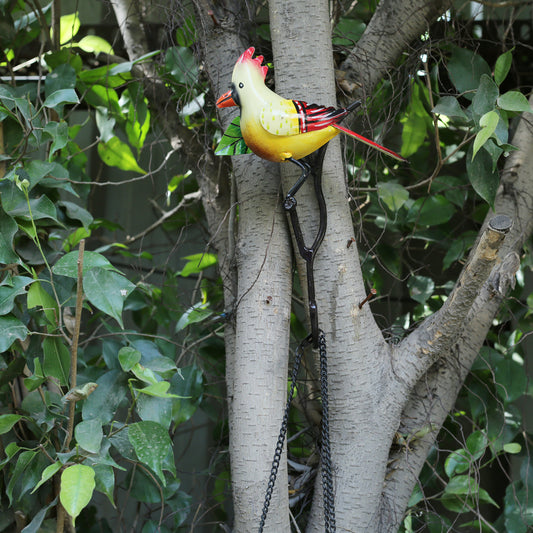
x=241, y=85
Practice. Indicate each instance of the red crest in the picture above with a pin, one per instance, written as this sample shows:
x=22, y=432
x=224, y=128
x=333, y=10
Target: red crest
x=247, y=56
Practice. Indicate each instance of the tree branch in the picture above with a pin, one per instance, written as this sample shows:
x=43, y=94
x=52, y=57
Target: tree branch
x=435, y=393
x=392, y=29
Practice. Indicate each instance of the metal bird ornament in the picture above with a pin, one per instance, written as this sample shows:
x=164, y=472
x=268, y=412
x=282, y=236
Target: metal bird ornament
x=275, y=128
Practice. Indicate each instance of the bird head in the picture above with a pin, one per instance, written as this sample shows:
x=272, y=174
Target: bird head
x=248, y=77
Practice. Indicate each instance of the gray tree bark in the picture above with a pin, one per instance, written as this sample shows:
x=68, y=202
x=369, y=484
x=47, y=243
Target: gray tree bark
x=375, y=389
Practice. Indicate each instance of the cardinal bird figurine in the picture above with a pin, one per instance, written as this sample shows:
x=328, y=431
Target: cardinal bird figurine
x=277, y=129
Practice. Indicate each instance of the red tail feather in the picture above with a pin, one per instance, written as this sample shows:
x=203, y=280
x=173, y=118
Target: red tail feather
x=369, y=142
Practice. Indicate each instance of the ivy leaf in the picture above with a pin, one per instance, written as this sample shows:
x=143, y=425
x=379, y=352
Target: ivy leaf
x=56, y=359
x=502, y=66
x=488, y=123
x=485, y=97
x=232, y=142
x=61, y=97
x=431, y=211
x=107, y=290
x=483, y=178
x=7, y=422
x=10, y=289
x=514, y=101
x=116, y=153
x=152, y=445
x=11, y=329
x=69, y=25
x=94, y=44
x=9, y=229
x=450, y=107
x=420, y=288
x=77, y=486
x=393, y=195
x=68, y=264
x=89, y=435
x=465, y=69
x=197, y=262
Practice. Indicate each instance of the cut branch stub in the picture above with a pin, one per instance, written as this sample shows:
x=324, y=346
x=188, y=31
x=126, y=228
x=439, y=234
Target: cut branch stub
x=501, y=223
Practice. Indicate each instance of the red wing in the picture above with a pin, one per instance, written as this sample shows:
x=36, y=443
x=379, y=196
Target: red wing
x=314, y=117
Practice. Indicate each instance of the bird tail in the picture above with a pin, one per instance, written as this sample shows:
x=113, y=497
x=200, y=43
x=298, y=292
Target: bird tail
x=369, y=142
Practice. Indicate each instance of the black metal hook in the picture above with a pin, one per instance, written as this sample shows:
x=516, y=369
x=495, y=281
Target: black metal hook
x=308, y=253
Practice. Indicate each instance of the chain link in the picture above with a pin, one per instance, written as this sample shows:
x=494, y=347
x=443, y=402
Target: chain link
x=283, y=432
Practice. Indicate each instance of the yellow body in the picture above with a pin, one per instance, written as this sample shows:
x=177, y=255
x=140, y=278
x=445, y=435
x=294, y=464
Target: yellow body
x=270, y=124
x=280, y=147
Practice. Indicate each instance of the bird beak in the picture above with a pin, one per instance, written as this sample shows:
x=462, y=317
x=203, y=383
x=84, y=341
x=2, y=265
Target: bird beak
x=226, y=100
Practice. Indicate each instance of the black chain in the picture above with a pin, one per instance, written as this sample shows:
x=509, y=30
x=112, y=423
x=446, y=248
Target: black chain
x=325, y=449
x=317, y=338
x=281, y=438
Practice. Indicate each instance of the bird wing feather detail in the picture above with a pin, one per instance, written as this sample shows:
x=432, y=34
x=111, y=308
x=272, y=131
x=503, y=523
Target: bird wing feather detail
x=292, y=117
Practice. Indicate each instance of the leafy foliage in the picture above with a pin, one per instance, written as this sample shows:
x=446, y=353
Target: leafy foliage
x=91, y=393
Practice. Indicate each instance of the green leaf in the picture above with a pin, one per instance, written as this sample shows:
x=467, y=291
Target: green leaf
x=7, y=422
x=116, y=153
x=105, y=480
x=77, y=486
x=48, y=473
x=181, y=66
x=510, y=379
x=512, y=447
x=41, y=208
x=94, y=44
x=197, y=313
x=431, y=210
x=420, y=288
x=76, y=212
x=457, y=462
x=348, y=31
x=502, y=66
x=152, y=445
x=105, y=400
x=68, y=264
x=465, y=69
x=56, y=360
x=450, y=107
x=144, y=374
x=107, y=291
x=232, y=142
x=488, y=123
x=10, y=289
x=477, y=443
x=158, y=390
x=128, y=358
x=26, y=474
x=187, y=383
x=485, y=97
x=61, y=77
x=69, y=25
x=156, y=408
x=483, y=178
x=89, y=435
x=38, y=297
x=58, y=131
x=9, y=229
x=514, y=101
x=61, y=97
x=104, y=96
x=393, y=195
x=197, y=262
x=457, y=248
x=11, y=329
